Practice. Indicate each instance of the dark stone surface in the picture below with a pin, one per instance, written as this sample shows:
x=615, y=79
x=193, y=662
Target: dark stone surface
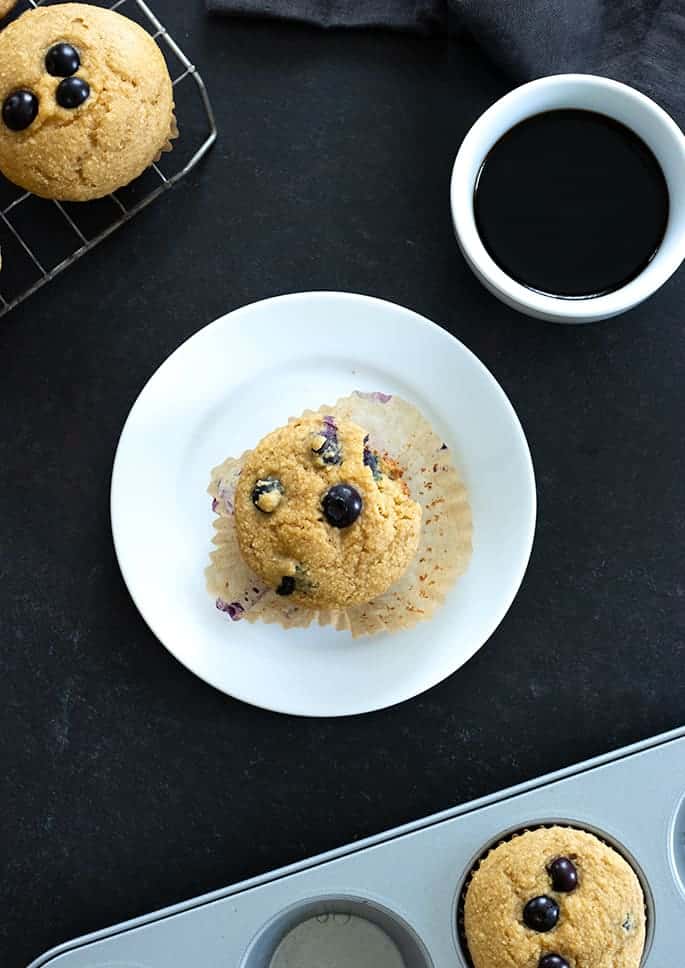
x=127, y=783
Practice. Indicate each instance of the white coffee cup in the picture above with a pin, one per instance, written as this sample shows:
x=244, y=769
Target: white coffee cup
x=581, y=91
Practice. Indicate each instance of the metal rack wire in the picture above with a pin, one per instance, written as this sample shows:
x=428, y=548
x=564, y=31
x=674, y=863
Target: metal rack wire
x=40, y=238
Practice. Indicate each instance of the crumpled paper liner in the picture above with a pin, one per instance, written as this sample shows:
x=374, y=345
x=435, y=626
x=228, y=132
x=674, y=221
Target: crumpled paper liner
x=398, y=428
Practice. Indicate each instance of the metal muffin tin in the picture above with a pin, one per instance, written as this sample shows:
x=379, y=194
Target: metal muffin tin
x=407, y=882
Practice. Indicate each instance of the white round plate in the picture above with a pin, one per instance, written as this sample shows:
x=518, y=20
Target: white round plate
x=216, y=396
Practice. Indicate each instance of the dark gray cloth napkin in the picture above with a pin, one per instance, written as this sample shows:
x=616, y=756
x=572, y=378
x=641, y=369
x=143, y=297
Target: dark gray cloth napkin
x=641, y=42
x=421, y=15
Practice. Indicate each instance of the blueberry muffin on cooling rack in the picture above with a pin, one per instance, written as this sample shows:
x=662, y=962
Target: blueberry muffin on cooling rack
x=87, y=101
x=353, y=516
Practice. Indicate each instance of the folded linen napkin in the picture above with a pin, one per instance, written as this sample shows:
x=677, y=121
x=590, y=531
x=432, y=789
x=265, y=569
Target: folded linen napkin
x=641, y=42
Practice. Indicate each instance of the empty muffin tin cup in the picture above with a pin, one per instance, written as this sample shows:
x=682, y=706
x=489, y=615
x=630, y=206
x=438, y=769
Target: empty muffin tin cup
x=676, y=846
x=507, y=835
x=337, y=931
x=580, y=92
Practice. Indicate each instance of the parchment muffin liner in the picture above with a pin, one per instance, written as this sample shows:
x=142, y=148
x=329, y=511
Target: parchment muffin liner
x=394, y=427
x=518, y=832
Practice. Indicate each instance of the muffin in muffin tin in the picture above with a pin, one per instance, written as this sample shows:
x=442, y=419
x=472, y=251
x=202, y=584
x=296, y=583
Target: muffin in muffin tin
x=553, y=897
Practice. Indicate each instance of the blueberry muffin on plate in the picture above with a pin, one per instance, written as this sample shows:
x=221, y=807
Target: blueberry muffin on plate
x=87, y=101
x=554, y=897
x=352, y=516
x=314, y=522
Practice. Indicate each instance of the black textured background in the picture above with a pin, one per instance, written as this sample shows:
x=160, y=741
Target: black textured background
x=127, y=783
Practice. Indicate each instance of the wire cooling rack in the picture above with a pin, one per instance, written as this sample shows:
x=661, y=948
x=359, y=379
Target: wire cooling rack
x=41, y=238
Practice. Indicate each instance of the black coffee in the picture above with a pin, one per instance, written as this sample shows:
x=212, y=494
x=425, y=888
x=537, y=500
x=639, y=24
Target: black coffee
x=571, y=203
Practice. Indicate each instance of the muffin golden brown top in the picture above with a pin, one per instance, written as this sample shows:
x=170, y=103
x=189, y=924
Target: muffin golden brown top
x=555, y=898
x=87, y=101
x=321, y=518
